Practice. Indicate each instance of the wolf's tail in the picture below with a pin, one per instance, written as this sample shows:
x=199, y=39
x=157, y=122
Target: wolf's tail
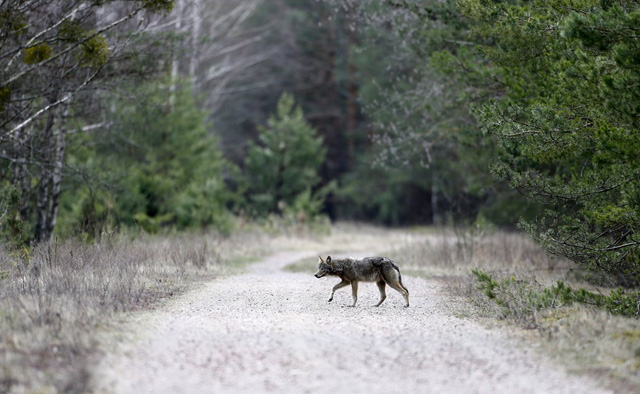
x=399, y=277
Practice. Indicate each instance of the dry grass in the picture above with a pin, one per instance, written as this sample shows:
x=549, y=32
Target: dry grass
x=455, y=251
x=584, y=339
x=53, y=299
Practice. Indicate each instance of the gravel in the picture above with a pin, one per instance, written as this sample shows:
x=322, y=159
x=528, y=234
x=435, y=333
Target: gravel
x=272, y=331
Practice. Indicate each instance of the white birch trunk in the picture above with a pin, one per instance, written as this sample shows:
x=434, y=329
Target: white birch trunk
x=44, y=190
x=175, y=60
x=51, y=175
x=60, y=138
x=196, y=23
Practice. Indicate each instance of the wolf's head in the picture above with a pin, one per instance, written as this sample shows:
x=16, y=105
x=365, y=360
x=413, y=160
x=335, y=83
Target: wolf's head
x=325, y=267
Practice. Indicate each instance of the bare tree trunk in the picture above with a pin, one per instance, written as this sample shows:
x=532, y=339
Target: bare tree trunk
x=60, y=137
x=435, y=213
x=51, y=176
x=20, y=177
x=175, y=61
x=196, y=21
x=44, y=190
x=352, y=88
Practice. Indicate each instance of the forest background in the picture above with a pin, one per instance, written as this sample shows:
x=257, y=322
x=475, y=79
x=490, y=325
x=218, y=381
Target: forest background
x=161, y=115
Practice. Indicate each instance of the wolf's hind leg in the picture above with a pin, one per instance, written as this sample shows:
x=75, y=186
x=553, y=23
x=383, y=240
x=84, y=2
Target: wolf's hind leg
x=402, y=290
x=338, y=286
x=383, y=294
x=354, y=292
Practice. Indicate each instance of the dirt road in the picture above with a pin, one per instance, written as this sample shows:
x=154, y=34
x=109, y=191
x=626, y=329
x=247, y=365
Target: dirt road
x=272, y=331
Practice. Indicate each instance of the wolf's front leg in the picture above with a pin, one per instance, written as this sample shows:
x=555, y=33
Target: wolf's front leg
x=354, y=292
x=340, y=285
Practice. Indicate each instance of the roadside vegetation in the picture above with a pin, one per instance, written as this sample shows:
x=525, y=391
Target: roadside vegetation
x=55, y=299
x=505, y=277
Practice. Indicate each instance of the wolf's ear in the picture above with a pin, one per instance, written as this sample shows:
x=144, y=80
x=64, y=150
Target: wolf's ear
x=322, y=261
x=329, y=260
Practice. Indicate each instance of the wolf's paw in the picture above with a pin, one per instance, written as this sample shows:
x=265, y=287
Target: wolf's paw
x=330, y=299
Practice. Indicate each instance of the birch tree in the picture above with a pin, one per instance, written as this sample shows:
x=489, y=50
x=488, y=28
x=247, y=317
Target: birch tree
x=213, y=45
x=51, y=52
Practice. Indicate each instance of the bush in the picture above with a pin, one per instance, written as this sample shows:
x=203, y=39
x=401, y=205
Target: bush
x=523, y=300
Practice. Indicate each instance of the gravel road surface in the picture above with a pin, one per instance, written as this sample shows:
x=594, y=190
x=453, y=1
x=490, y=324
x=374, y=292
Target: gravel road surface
x=273, y=331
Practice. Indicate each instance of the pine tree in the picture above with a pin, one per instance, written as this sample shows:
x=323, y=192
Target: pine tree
x=159, y=167
x=285, y=162
x=567, y=125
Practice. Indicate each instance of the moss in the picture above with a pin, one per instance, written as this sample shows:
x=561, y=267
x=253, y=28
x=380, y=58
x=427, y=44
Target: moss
x=95, y=52
x=71, y=31
x=37, y=54
x=158, y=5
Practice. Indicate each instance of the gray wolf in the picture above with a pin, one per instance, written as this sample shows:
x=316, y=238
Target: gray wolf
x=369, y=269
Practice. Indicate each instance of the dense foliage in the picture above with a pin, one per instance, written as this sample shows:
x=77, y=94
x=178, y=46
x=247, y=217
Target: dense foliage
x=567, y=124
x=158, y=166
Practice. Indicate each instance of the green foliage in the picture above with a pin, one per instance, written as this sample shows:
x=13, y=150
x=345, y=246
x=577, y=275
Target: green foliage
x=523, y=300
x=37, y=54
x=159, y=167
x=158, y=5
x=384, y=194
x=12, y=229
x=13, y=22
x=566, y=123
x=284, y=163
x=307, y=207
x=428, y=146
x=95, y=52
x=94, y=49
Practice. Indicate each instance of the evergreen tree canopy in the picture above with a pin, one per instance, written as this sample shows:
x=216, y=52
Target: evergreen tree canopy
x=160, y=163
x=567, y=125
x=286, y=160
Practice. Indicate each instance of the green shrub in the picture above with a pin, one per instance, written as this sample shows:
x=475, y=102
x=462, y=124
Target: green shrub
x=522, y=300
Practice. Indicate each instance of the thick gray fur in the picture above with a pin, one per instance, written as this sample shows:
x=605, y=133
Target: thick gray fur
x=369, y=269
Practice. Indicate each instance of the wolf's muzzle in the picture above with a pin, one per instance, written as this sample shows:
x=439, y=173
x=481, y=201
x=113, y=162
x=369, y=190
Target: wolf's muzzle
x=318, y=276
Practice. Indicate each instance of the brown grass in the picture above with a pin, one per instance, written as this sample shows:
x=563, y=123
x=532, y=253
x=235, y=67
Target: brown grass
x=584, y=339
x=54, y=298
x=452, y=251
